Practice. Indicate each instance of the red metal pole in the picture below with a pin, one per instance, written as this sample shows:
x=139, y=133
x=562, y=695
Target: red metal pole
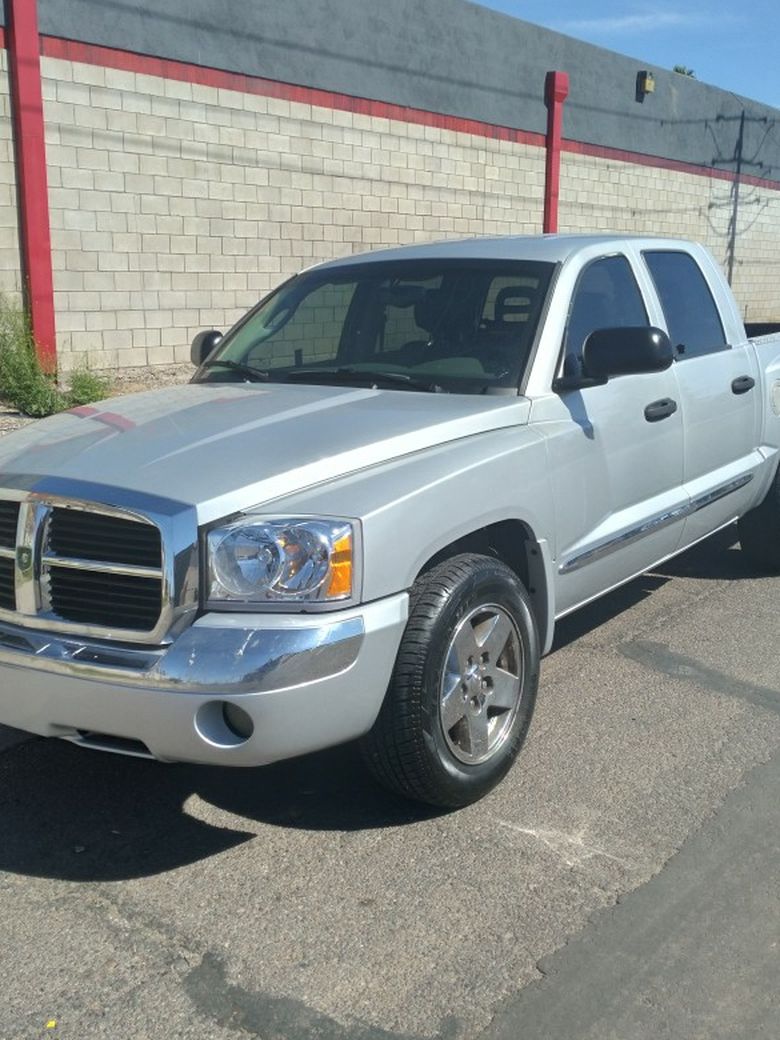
x=27, y=104
x=556, y=90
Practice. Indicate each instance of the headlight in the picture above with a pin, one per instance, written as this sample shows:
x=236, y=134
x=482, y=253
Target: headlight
x=281, y=561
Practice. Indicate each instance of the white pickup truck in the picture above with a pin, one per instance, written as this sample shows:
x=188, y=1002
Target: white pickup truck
x=381, y=489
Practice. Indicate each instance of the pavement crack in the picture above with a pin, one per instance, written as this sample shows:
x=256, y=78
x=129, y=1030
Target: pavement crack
x=659, y=658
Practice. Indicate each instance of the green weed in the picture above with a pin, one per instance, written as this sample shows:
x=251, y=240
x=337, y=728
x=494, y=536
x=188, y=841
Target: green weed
x=24, y=384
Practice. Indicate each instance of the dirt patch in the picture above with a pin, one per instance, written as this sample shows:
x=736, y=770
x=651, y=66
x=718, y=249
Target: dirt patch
x=133, y=380
x=10, y=420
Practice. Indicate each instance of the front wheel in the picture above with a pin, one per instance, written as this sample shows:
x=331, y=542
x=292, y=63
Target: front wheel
x=463, y=688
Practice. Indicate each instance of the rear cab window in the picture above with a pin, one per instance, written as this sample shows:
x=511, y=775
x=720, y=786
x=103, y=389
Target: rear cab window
x=692, y=318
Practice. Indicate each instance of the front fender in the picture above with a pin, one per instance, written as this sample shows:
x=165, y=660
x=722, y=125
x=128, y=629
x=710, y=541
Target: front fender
x=414, y=507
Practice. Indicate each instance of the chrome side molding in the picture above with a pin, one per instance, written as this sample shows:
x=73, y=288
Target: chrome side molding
x=656, y=523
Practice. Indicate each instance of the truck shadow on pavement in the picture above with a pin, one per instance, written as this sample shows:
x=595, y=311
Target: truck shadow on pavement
x=78, y=815
x=74, y=814
x=716, y=559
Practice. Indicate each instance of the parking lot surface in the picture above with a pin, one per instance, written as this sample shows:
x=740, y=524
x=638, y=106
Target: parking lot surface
x=621, y=883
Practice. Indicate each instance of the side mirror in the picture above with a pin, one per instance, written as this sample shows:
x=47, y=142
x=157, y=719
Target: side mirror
x=626, y=351
x=204, y=344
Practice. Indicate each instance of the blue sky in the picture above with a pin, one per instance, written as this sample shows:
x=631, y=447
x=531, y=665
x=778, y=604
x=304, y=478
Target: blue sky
x=731, y=45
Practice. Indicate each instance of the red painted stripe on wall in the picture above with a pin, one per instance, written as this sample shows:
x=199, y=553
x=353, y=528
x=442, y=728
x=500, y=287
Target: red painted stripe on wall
x=597, y=151
x=106, y=57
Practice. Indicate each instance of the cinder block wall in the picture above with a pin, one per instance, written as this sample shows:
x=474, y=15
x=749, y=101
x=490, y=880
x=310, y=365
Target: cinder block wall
x=630, y=197
x=10, y=265
x=176, y=204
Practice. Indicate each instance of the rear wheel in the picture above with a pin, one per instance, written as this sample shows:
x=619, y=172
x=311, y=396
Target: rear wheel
x=759, y=531
x=463, y=689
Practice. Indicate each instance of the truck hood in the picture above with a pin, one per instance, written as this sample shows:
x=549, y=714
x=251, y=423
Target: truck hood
x=224, y=447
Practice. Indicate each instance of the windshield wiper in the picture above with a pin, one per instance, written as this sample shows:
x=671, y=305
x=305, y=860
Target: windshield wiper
x=357, y=375
x=254, y=375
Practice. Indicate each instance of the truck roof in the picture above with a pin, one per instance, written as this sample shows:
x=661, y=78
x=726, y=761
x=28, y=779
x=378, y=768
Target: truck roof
x=549, y=248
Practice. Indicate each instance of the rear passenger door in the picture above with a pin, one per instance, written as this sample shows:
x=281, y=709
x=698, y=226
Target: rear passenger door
x=718, y=394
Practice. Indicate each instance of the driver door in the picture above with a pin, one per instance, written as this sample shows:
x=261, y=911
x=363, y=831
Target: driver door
x=616, y=451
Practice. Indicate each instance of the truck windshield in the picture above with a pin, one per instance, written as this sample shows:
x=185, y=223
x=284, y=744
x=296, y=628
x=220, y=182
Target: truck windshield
x=437, y=325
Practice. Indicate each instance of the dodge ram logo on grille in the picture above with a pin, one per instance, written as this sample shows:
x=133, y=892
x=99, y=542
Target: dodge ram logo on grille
x=24, y=558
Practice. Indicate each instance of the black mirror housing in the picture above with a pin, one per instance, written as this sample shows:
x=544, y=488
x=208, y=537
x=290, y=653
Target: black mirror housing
x=626, y=351
x=203, y=345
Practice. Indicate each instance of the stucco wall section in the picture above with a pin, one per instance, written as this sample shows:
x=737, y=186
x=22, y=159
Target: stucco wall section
x=175, y=206
x=608, y=195
x=10, y=265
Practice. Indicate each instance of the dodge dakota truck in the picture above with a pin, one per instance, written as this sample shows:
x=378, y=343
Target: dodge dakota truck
x=383, y=486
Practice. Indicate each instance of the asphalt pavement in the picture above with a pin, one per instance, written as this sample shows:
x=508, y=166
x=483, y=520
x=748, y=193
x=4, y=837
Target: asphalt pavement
x=621, y=884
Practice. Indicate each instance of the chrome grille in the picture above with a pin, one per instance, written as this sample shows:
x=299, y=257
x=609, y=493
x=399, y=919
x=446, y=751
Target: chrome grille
x=95, y=598
x=7, y=596
x=123, y=569
x=9, y=517
x=79, y=535
x=102, y=570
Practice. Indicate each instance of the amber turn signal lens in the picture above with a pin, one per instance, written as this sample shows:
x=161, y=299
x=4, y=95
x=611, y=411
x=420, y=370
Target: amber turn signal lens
x=340, y=583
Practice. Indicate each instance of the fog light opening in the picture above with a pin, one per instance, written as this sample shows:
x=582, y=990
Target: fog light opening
x=223, y=724
x=237, y=720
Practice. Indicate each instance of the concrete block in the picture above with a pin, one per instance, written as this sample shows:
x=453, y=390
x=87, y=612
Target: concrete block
x=112, y=261
x=91, y=159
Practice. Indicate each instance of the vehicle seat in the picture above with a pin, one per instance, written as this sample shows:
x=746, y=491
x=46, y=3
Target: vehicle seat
x=436, y=315
x=501, y=339
x=513, y=305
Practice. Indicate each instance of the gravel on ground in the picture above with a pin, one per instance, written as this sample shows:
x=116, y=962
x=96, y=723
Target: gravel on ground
x=127, y=381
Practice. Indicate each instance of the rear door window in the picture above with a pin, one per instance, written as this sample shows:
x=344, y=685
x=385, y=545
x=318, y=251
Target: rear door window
x=692, y=317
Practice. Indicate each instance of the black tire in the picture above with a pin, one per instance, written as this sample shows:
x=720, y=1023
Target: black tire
x=759, y=531
x=409, y=750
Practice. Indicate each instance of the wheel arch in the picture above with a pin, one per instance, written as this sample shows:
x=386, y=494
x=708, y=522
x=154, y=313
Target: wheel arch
x=515, y=544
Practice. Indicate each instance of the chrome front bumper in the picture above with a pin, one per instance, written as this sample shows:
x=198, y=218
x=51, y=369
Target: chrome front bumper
x=300, y=682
